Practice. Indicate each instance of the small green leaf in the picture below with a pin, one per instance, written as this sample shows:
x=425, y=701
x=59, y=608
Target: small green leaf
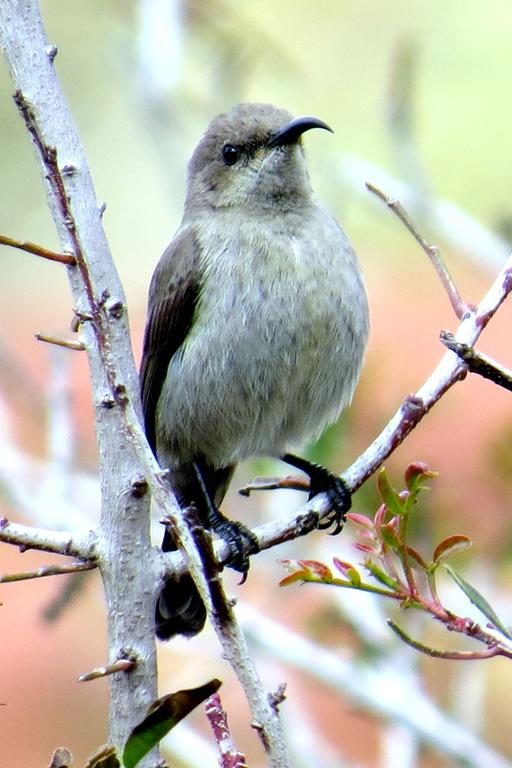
x=380, y=575
x=391, y=537
x=163, y=715
x=480, y=602
x=450, y=546
x=105, y=757
x=388, y=494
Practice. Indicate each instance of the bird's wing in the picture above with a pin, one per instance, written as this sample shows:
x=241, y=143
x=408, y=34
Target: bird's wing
x=172, y=300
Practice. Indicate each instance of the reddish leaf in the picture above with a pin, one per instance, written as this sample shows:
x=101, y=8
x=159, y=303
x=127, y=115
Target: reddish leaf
x=319, y=570
x=416, y=474
x=358, y=519
x=292, y=579
x=348, y=570
x=451, y=545
x=371, y=550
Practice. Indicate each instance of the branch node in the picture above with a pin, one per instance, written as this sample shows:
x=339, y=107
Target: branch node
x=80, y=317
x=51, y=52
x=114, y=308
x=68, y=170
x=412, y=407
x=139, y=486
x=121, y=395
x=475, y=362
x=107, y=401
x=276, y=699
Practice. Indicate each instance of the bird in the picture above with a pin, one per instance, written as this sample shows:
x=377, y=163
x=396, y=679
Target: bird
x=256, y=330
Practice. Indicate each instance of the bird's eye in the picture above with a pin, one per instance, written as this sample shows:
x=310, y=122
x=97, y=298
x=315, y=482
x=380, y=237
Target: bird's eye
x=230, y=154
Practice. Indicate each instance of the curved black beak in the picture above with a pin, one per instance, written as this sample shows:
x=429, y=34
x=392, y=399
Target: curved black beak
x=292, y=131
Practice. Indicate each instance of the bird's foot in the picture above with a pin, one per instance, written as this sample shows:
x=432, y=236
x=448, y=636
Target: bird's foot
x=321, y=480
x=241, y=540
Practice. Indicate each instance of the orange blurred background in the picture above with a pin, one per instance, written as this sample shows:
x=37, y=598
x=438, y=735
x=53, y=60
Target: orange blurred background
x=337, y=60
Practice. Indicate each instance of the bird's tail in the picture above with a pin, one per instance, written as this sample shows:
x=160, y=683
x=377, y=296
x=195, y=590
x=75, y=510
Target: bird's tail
x=179, y=608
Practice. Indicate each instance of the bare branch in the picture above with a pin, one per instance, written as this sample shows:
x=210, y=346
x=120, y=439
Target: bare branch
x=476, y=362
x=59, y=542
x=449, y=370
x=38, y=250
x=432, y=251
x=47, y=570
x=205, y=572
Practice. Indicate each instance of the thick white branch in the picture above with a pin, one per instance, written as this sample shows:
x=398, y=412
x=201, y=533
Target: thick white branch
x=123, y=538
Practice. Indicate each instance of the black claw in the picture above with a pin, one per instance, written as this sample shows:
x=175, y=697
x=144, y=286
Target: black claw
x=242, y=543
x=339, y=496
x=323, y=481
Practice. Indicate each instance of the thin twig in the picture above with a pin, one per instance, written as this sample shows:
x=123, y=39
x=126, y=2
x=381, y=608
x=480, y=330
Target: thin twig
x=289, y=483
x=230, y=757
x=68, y=343
x=455, y=226
x=459, y=306
x=478, y=363
x=47, y=570
x=120, y=665
x=38, y=250
x=490, y=652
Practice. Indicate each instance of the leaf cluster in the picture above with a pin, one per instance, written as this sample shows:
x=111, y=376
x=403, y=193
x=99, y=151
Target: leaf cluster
x=399, y=571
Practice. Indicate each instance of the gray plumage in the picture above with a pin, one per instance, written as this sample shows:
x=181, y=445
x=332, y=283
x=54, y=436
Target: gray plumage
x=257, y=317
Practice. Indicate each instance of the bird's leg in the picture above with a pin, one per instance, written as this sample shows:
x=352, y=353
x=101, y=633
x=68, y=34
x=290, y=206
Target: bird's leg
x=242, y=541
x=321, y=480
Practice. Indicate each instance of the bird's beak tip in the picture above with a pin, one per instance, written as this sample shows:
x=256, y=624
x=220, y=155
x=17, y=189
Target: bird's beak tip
x=292, y=131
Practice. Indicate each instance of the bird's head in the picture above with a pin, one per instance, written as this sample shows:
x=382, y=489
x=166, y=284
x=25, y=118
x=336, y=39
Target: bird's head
x=251, y=156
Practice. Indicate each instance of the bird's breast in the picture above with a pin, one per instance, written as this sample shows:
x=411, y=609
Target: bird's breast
x=275, y=350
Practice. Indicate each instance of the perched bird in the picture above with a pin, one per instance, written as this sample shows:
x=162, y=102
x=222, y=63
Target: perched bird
x=256, y=329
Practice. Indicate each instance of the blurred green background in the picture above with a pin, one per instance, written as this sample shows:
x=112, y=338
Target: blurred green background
x=419, y=90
